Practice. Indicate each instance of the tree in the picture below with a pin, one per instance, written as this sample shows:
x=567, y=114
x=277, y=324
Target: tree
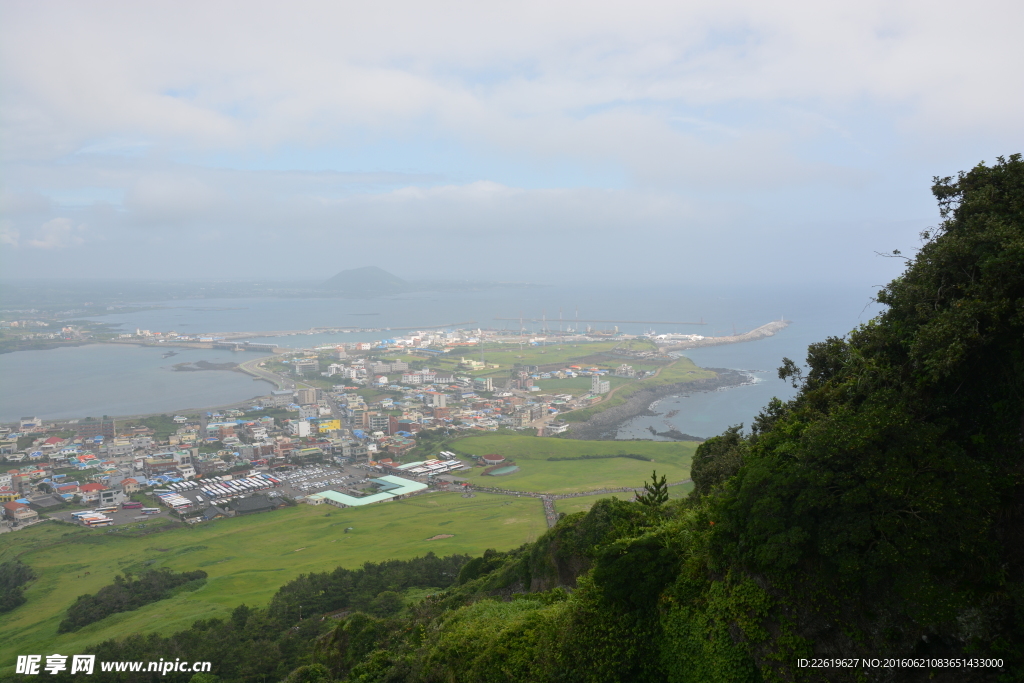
x=655, y=492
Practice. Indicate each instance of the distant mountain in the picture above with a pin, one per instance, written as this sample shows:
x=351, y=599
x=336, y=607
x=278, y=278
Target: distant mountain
x=368, y=280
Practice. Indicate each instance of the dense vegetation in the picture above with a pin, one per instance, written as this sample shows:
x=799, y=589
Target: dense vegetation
x=128, y=593
x=13, y=577
x=880, y=513
x=265, y=644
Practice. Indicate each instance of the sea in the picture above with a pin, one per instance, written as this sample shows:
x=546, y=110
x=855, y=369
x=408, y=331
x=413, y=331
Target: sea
x=101, y=379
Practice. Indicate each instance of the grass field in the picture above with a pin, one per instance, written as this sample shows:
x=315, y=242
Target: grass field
x=537, y=473
x=683, y=370
x=247, y=559
x=584, y=503
x=507, y=355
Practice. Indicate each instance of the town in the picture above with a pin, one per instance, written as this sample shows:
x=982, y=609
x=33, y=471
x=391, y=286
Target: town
x=368, y=418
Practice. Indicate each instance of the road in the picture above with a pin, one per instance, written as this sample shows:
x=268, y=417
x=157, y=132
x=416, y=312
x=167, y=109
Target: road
x=252, y=367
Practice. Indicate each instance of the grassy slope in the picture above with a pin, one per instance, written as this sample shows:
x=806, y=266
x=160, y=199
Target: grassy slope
x=536, y=473
x=507, y=355
x=584, y=503
x=247, y=558
x=683, y=370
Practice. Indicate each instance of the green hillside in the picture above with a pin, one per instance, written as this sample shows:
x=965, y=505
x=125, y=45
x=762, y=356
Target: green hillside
x=537, y=473
x=247, y=559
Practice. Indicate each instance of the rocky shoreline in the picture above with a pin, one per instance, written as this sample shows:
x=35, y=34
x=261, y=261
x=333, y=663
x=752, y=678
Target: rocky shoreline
x=604, y=425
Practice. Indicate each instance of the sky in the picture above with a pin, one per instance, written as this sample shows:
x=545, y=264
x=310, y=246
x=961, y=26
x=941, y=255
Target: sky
x=717, y=141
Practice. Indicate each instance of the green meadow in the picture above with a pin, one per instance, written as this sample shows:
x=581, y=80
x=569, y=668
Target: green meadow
x=505, y=356
x=247, y=559
x=584, y=503
x=537, y=473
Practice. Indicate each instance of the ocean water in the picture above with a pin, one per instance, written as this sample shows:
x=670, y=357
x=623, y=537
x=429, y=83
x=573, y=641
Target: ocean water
x=104, y=379
x=100, y=379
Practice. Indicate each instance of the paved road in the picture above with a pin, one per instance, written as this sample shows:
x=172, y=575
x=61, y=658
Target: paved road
x=252, y=367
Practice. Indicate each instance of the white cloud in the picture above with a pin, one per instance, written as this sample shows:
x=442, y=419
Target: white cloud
x=58, y=233
x=8, y=235
x=724, y=125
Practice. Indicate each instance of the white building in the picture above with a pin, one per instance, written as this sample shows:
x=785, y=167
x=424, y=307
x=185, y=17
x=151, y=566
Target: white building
x=299, y=427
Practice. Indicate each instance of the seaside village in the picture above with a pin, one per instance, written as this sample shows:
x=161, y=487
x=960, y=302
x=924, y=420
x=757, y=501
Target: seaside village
x=366, y=434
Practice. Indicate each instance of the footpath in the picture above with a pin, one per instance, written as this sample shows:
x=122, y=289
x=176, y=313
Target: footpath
x=548, y=499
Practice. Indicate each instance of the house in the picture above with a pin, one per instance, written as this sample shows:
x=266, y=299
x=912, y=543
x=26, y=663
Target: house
x=7, y=494
x=90, y=493
x=44, y=503
x=252, y=505
x=213, y=512
x=130, y=486
x=19, y=512
x=110, y=497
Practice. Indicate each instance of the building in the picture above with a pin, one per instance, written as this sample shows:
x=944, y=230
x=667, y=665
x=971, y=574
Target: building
x=30, y=424
x=379, y=423
x=306, y=366
x=252, y=505
x=389, y=488
x=91, y=427
x=90, y=493
x=483, y=384
x=556, y=428
x=279, y=399
x=435, y=399
x=130, y=486
x=306, y=397
x=19, y=513
x=299, y=428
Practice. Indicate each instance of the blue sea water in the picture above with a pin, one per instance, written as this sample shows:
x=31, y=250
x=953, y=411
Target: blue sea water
x=100, y=379
x=104, y=379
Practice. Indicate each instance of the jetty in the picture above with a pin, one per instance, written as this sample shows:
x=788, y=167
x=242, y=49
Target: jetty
x=757, y=333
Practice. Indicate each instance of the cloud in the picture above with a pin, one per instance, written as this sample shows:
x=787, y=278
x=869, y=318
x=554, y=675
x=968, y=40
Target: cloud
x=58, y=233
x=301, y=135
x=8, y=235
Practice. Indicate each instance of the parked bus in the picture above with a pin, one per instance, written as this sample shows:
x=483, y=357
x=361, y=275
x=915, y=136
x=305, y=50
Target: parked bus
x=151, y=511
x=131, y=505
x=105, y=510
x=77, y=516
x=93, y=523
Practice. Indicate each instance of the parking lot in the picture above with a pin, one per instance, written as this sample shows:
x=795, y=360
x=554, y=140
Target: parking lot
x=295, y=483
x=119, y=516
x=305, y=481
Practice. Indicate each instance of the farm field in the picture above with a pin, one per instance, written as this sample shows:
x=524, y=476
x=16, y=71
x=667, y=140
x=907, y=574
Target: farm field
x=247, y=559
x=584, y=503
x=537, y=473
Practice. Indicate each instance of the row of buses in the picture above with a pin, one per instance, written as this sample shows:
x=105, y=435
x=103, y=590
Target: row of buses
x=215, y=489
x=93, y=518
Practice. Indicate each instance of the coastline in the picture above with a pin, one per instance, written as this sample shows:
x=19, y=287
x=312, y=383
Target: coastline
x=604, y=425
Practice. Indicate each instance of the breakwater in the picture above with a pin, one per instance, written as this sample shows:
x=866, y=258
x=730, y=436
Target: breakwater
x=757, y=333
